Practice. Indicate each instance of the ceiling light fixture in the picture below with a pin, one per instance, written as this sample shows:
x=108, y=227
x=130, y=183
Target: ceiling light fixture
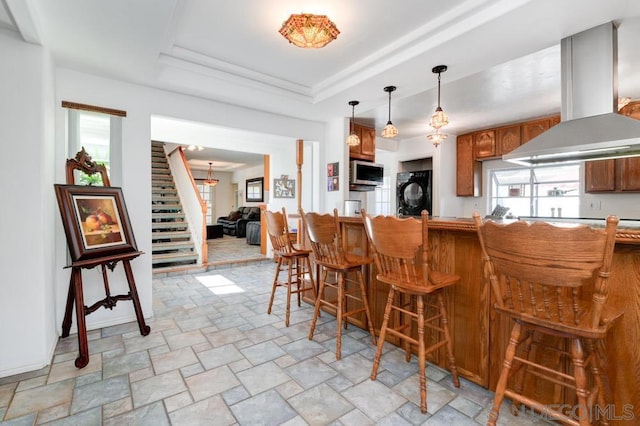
x=439, y=118
x=309, y=31
x=211, y=181
x=436, y=138
x=389, y=131
x=195, y=148
x=353, y=139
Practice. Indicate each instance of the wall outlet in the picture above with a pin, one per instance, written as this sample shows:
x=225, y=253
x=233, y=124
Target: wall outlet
x=595, y=205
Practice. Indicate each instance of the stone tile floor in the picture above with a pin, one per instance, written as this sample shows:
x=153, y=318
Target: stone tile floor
x=215, y=357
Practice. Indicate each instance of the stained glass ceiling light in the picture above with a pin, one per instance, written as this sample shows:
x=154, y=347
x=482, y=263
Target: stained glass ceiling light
x=309, y=31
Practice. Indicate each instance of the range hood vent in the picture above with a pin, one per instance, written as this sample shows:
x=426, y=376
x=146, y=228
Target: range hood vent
x=590, y=129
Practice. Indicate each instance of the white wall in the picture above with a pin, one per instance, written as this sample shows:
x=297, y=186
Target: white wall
x=141, y=103
x=35, y=283
x=29, y=215
x=445, y=202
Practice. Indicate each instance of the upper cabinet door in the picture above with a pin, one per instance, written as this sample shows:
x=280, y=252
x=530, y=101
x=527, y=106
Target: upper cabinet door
x=468, y=170
x=629, y=173
x=508, y=139
x=484, y=144
x=531, y=129
x=600, y=176
x=366, y=150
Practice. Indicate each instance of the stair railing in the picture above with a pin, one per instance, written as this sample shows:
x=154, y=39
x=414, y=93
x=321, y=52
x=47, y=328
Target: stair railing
x=194, y=206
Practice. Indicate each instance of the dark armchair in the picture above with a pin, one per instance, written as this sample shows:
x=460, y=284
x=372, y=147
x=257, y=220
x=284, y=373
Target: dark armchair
x=235, y=223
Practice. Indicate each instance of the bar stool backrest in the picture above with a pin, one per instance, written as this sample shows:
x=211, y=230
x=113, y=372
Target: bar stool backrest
x=400, y=248
x=323, y=231
x=278, y=231
x=539, y=272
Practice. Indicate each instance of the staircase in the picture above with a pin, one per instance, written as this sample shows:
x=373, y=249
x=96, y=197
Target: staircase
x=171, y=240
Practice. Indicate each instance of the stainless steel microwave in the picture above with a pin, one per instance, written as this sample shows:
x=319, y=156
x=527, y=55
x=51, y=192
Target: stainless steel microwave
x=365, y=173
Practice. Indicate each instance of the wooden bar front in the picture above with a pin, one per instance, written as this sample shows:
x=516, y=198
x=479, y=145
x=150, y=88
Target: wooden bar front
x=480, y=336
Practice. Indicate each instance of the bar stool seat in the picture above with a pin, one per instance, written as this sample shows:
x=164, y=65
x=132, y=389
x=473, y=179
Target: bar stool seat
x=401, y=251
x=552, y=282
x=290, y=258
x=330, y=254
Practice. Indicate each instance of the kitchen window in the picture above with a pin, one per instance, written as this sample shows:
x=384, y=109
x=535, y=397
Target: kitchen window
x=383, y=197
x=552, y=191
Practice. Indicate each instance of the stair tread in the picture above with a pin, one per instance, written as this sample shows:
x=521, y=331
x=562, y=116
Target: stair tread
x=172, y=245
x=169, y=225
x=173, y=258
x=171, y=215
x=157, y=235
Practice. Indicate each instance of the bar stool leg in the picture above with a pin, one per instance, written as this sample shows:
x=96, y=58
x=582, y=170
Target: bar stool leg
x=275, y=284
x=447, y=336
x=383, y=332
x=289, y=284
x=339, y=312
x=577, y=357
x=597, y=371
x=309, y=272
x=518, y=385
x=316, y=312
x=298, y=275
x=504, y=375
x=366, y=306
x=421, y=355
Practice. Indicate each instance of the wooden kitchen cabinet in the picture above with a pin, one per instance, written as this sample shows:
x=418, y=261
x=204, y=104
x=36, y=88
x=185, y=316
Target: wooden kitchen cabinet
x=632, y=109
x=628, y=172
x=468, y=170
x=619, y=175
x=484, y=144
x=507, y=139
x=367, y=148
x=600, y=176
x=534, y=128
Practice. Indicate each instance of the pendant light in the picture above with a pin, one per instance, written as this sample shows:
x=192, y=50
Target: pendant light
x=389, y=131
x=439, y=118
x=210, y=179
x=353, y=139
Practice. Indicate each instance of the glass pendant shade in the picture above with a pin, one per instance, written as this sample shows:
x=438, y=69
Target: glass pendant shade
x=436, y=138
x=389, y=131
x=211, y=181
x=439, y=119
x=353, y=139
x=309, y=31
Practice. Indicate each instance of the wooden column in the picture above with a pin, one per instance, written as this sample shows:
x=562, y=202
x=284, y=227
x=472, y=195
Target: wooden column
x=299, y=162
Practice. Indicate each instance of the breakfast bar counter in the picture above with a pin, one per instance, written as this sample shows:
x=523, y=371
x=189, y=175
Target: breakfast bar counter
x=480, y=336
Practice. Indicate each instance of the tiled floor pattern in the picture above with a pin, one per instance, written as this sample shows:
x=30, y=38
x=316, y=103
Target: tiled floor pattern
x=230, y=248
x=214, y=357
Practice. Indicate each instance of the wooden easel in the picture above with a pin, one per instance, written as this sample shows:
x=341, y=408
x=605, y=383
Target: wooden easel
x=83, y=162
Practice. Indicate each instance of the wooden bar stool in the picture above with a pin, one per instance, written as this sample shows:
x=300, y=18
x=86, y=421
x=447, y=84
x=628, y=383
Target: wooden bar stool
x=291, y=258
x=552, y=281
x=401, y=251
x=330, y=254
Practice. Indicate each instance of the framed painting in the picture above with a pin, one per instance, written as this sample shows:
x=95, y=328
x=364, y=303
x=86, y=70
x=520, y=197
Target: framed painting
x=284, y=188
x=95, y=221
x=254, y=190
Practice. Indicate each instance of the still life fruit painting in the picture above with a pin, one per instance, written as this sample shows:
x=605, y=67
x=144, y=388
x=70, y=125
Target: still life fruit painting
x=98, y=216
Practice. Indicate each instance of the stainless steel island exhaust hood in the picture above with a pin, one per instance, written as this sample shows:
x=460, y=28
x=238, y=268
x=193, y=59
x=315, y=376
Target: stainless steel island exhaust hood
x=590, y=129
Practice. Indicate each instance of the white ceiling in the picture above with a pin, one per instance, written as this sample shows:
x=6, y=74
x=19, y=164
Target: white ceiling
x=503, y=55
